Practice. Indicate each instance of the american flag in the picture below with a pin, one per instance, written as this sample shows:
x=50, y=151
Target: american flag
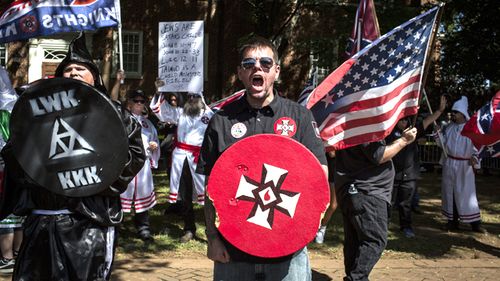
x=362, y=100
x=365, y=29
x=484, y=126
x=310, y=85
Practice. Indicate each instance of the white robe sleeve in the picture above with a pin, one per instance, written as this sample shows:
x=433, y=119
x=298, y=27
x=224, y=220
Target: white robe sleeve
x=155, y=155
x=164, y=111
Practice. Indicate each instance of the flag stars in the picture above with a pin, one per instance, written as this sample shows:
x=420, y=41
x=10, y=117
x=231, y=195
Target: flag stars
x=373, y=83
x=328, y=99
x=340, y=93
x=348, y=84
x=407, y=60
x=365, y=66
x=490, y=149
x=390, y=78
x=408, y=46
x=383, y=47
x=409, y=32
x=356, y=76
x=417, y=35
x=373, y=72
x=392, y=37
x=400, y=41
x=374, y=57
x=423, y=40
x=398, y=69
x=392, y=52
x=383, y=61
x=485, y=116
x=365, y=80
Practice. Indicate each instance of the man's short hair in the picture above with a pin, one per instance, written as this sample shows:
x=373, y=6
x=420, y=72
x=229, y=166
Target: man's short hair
x=258, y=42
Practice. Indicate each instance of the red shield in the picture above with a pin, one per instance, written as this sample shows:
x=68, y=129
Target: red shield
x=269, y=193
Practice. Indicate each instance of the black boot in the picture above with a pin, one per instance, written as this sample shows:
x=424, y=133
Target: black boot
x=476, y=227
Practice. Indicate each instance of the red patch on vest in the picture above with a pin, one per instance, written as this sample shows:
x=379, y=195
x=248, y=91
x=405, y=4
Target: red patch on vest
x=285, y=126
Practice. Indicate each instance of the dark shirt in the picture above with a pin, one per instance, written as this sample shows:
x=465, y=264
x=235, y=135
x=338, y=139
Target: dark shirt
x=359, y=165
x=220, y=135
x=406, y=162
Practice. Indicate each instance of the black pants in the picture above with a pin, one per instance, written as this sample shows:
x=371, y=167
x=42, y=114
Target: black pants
x=402, y=196
x=141, y=221
x=365, y=233
x=186, y=197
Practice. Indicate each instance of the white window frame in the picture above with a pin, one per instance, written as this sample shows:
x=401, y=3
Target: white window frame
x=136, y=73
x=4, y=47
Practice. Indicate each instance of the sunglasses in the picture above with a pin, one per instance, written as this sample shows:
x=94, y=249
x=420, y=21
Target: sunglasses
x=139, y=101
x=265, y=62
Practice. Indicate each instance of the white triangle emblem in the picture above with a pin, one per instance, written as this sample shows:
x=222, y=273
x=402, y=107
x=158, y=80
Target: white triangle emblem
x=63, y=143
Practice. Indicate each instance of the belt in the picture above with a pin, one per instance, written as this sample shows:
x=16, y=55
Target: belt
x=458, y=158
x=51, y=212
x=191, y=148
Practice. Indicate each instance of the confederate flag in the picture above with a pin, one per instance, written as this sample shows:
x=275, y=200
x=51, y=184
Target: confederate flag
x=484, y=127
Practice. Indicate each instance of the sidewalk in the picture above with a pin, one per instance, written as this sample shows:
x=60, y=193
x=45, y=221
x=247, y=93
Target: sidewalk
x=323, y=269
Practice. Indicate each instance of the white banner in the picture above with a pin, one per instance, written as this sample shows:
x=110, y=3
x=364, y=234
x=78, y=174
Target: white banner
x=180, y=56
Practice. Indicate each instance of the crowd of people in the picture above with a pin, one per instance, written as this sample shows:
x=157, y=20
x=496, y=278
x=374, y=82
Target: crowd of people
x=366, y=181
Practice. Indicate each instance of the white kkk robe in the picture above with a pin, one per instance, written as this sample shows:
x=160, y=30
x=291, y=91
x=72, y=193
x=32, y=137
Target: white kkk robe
x=140, y=191
x=458, y=180
x=190, y=133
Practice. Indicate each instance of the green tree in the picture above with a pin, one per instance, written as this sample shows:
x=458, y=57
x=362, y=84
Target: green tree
x=470, y=49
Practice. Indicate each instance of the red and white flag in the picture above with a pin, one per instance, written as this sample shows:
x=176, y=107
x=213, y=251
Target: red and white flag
x=365, y=29
x=484, y=127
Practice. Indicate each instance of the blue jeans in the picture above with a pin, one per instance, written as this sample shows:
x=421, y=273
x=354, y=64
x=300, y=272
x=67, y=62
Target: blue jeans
x=295, y=269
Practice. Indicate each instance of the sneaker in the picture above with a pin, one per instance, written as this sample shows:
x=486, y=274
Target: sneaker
x=188, y=236
x=408, y=232
x=145, y=235
x=7, y=265
x=320, y=235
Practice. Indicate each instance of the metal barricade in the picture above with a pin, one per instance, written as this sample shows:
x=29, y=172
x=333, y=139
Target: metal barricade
x=429, y=151
x=490, y=163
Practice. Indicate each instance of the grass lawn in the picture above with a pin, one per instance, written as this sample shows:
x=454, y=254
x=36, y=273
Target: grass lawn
x=431, y=241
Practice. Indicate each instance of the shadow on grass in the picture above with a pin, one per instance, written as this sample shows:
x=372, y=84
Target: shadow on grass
x=166, y=242
x=432, y=241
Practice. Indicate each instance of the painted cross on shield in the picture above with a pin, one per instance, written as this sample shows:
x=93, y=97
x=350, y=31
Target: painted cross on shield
x=267, y=196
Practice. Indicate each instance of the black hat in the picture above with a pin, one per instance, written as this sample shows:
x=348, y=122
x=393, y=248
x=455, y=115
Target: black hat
x=78, y=53
x=132, y=94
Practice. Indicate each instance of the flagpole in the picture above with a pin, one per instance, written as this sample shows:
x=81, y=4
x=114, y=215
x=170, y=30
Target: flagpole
x=120, y=42
x=440, y=135
x=432, y=41
x=427, y=64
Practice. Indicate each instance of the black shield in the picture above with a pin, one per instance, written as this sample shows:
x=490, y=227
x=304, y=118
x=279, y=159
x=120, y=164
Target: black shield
x=68, y=137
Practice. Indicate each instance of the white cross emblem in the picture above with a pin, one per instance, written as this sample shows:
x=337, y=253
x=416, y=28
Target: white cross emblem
x=267, y=196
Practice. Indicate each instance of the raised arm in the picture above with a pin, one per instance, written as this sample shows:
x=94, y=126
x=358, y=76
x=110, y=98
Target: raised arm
x=434, y=116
